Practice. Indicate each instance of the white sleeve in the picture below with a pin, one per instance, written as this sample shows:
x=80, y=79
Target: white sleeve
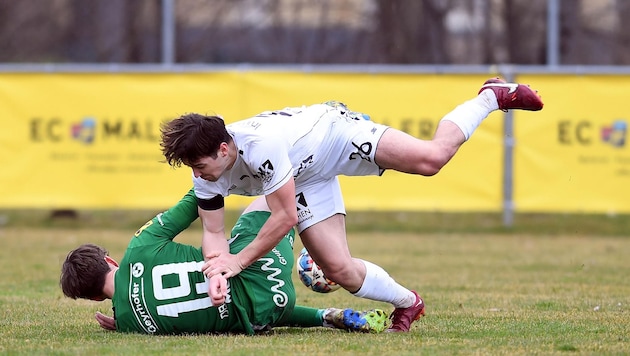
x=270, y=161
x=205, y=189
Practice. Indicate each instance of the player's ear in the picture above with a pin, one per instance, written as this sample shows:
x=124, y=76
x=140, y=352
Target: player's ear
x=111, y=261
x=223, y=149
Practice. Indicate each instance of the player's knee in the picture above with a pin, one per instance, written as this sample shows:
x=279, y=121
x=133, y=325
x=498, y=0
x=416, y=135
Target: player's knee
x=432, y=164
x=429, y=167
x=431, y=170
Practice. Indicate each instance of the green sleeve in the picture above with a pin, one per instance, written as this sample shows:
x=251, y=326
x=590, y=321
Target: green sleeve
x=170, y=223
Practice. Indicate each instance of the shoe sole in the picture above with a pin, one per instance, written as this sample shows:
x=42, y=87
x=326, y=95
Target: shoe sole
x=376, y=320
x=535, y=94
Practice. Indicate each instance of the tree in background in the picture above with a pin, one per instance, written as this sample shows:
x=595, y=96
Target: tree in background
x=317, y=32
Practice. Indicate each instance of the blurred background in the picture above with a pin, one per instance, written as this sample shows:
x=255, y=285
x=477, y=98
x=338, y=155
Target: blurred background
x=589, y=32
x=85, y=84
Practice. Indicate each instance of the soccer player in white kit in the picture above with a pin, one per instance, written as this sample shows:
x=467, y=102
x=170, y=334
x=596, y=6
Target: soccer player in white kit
x=293, y=157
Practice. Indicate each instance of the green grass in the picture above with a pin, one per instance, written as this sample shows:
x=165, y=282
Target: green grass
x=357, y=221
x=505, y=293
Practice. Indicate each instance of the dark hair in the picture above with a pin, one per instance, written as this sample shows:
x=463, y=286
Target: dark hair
x=83, y=272
x=192, y=137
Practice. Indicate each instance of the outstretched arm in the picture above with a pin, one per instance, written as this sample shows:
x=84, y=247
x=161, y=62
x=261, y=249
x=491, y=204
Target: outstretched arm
x=169, y=224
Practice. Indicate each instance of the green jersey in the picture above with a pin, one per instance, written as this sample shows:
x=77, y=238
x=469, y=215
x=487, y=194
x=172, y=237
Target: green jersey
x=160, y=289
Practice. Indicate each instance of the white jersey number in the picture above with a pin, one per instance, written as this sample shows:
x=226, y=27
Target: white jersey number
x=181, y=270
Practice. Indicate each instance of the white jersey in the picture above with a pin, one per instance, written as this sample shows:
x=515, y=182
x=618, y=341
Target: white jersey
x=271, y=149
x=312, y=145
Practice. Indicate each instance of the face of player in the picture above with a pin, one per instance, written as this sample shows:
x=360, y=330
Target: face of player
x=211, y=169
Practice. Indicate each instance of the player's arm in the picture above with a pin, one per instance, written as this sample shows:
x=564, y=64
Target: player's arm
x=106, y=322
x=283, y=217
x=169, y=224
x=213, y=238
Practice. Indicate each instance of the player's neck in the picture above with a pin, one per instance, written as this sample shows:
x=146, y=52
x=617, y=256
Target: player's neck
x=108, y=288
x=233, y=154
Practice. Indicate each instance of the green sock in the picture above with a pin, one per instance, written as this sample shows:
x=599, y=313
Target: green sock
x=305, y=317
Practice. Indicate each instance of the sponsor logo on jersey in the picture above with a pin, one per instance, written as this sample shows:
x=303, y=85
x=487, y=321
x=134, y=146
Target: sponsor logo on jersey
x=303, y=211
x=137, y=269
x=265, y=172
x=303, y=165
x=137, y=299
x=222, y=309
x=281, y=258
x=279, y=298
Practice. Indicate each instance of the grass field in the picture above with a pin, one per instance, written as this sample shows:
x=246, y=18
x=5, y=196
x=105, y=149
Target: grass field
x=486, y=294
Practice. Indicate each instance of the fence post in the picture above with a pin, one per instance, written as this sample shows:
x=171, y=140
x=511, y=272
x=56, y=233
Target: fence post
x=168, y=33
x=508, y=161
x=553, y=30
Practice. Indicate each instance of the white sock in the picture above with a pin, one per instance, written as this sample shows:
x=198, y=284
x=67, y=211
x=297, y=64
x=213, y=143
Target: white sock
x=469, y=115
x=379, y=286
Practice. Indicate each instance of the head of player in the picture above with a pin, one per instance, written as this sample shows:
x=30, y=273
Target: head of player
x=200, y=142
x=84, y=272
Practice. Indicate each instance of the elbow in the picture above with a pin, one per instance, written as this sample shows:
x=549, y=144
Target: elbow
x=283, y=221
x=291, y=221
x=288, y=221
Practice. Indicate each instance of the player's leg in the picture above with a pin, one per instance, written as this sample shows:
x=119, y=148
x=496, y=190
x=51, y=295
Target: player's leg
x=322, y=230
x=372, y=321
x=327, y=245
x=304, y=317
x=299, y=316
x=405, y=153
x=360, y=147
x=402, y=152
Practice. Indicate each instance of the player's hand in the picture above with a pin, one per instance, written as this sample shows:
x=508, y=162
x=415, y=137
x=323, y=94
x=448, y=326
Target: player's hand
x=225, y=264
x=217, y=289
x=106, y=322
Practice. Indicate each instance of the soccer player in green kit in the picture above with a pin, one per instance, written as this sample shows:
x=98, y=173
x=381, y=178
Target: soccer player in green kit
x=160, y=288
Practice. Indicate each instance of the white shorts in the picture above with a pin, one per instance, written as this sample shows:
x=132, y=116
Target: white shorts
x=348, y=149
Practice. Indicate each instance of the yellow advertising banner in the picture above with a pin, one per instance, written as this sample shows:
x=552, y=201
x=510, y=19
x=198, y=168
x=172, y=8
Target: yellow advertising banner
x=577, y=158
x=86, y=140
x=92, y=140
